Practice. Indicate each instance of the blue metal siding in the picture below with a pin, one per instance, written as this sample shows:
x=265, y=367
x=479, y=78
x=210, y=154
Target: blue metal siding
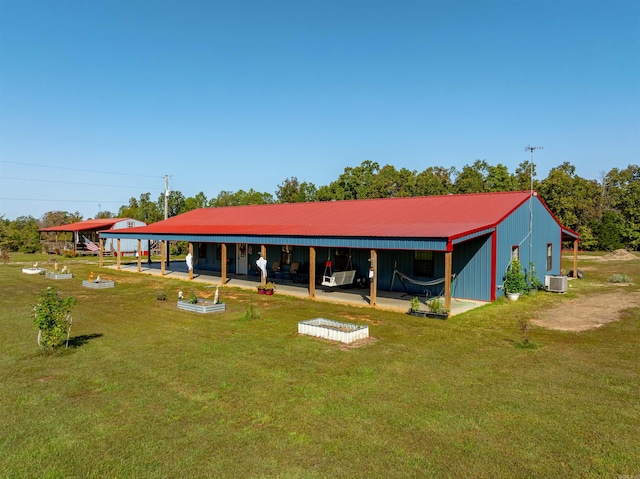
x=472, y=265
x=514, y=230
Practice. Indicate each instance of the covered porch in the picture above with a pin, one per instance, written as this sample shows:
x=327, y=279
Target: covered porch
x=355, y=296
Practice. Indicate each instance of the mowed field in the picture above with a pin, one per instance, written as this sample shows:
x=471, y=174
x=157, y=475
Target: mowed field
x=149, y=391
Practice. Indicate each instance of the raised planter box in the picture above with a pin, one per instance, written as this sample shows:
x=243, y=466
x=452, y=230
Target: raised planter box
x=437, y=315
x=202, y=307
x=33, y=270
x=333, y=330
x=104, y=283
x=428, y=314
x=59, y=275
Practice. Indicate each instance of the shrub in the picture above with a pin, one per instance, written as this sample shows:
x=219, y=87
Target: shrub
x=250, y=313
x=532, y=279
x=52, y=317
x=619, y=278
x=161, y=296
x=192, y=298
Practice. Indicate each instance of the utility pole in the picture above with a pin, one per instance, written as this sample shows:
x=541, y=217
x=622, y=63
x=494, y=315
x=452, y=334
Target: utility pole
x=166, y=207
x=531, y=149
x=166, y=196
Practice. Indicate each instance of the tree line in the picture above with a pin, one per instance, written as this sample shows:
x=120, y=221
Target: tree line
x=606, y=212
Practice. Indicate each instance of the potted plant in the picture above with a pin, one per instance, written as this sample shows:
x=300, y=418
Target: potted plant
x=515, y=281
x=269, y=288
x=261, y=289
x=437, y=309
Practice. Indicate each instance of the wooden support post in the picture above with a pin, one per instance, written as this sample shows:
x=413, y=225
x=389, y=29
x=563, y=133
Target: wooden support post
x=447, y=278
x=224, y=264
x=162, y=257
x=374, y=280
x=118, y=255
x=139, y=256
x=101, y=253
x=263, y=277
x=575, y=258
x=190, y=251
x=312, y=272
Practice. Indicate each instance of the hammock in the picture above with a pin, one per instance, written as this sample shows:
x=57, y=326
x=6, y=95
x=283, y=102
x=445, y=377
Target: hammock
x=402, y=277
x=337, y=278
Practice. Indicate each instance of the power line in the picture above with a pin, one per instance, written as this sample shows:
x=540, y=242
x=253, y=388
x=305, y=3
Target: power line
x=73, y=200
x=78, y=169
x=75, y=183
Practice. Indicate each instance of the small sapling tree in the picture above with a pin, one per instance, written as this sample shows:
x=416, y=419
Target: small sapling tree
x=52, y=317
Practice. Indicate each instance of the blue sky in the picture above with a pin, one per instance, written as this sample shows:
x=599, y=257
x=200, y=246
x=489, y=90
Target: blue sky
x=229, y=95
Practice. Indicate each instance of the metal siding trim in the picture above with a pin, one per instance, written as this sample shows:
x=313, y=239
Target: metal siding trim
x=427, y=244
x=472, y=235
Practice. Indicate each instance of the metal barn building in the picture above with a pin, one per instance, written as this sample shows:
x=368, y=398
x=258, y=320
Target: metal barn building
x=82, y=237
x=456, y=245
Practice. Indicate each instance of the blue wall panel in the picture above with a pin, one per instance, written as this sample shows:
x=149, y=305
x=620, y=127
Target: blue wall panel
x=472, y=265
x=514, y=230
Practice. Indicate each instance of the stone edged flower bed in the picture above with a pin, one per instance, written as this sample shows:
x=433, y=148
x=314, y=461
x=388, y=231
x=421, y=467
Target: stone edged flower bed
x=59, y=275
x=104, y=283
x=333, y=330
x=202, y=307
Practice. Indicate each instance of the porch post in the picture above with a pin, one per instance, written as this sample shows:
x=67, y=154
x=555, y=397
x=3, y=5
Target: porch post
x=263, y=277
x=139, y=256
x=162, y=257
x=118, y=257
x=575, y=258
x=374, y=279
x=224, y=263
x=312, y=272
x=190, y=251
x=447, y=279
x=101, y=253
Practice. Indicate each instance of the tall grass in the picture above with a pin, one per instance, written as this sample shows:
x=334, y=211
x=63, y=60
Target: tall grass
x=147, y=390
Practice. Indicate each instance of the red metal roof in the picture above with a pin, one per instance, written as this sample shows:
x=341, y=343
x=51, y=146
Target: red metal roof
x=88, y=225
x=426, y=216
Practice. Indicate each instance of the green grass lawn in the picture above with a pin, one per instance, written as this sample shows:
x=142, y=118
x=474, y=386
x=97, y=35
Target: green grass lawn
x=148, y=391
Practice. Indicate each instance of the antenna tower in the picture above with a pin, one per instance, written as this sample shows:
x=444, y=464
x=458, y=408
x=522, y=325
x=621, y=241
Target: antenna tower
x=531, y=149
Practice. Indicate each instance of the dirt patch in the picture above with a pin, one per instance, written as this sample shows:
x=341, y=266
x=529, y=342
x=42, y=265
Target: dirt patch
x=588, y=312
x=619, y=255
x=360, y=343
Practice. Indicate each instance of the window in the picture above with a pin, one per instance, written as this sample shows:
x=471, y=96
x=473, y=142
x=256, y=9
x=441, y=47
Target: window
x=423, y=264
x=549, y=256
x=131, y=224
x=202, y=250
x=515, y=252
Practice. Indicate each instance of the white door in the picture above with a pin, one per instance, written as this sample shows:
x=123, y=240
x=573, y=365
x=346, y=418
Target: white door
x=241, y=258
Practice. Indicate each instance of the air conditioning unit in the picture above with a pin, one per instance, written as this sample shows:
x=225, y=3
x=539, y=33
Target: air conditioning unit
x=556, y=284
